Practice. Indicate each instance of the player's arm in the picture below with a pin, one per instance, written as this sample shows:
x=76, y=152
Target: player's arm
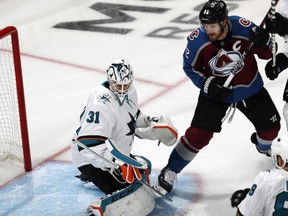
x=96, y=127
x=272, y=71
x=261, y=39
x=96, y=144
x=253, y=202
x=156, y=128
x=192, y=61
x=279, y=25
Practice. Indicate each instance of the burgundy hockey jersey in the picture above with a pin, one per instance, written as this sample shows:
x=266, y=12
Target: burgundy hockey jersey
x=203, y=58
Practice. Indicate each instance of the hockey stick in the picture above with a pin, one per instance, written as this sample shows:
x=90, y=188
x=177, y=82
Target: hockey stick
x=122, y=157
x=156, y=191
x=116, y=153
x=246, y=51
x=117, y=167
x=98, y=155
x=273, y=36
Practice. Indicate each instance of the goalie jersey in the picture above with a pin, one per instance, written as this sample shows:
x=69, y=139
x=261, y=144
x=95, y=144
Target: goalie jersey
x=268, y=195
x=105, y=116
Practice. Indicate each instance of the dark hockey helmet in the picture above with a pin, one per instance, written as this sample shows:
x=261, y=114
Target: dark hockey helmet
x=214, y=11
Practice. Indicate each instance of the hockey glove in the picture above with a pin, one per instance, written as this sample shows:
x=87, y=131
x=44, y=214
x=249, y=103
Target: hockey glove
x=279, y=25
x=160, y=129
x=260, y=37
x=130, y=173
x=213, y=87
x=238, y=196
x=281, y=64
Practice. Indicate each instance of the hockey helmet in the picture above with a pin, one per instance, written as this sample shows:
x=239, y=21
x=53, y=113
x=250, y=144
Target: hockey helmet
x=279, y=147
x=214, y=11
x=120, y=77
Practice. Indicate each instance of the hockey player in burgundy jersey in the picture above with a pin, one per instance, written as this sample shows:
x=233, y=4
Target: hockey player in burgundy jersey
x=212, y=53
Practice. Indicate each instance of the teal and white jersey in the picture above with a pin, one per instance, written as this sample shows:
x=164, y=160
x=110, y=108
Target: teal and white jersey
x=105, y=116
x=268, y=195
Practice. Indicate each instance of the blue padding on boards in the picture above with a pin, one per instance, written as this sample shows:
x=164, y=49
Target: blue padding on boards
x=52, y=189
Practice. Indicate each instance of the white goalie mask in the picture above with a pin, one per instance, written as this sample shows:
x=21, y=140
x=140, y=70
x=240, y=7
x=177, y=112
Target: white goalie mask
x=279, y=147
x=120, y=77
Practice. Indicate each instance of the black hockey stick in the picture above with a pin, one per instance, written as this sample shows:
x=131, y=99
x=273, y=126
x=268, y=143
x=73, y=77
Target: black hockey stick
x=117, y=166
x=273, y=36
x=246, y=51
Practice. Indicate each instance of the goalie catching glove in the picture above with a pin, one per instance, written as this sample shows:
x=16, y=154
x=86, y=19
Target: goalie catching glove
x=160, y=129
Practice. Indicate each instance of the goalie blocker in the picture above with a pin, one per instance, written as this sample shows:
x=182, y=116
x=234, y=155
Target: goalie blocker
x=160, y=129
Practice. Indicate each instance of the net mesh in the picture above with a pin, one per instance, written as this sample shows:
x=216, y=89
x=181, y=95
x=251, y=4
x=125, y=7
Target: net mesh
x=10, y=132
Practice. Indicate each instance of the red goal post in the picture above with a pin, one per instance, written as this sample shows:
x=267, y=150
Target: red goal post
x=14, y=139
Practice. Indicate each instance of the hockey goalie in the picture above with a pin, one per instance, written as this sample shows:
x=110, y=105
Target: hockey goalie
x=101, y=146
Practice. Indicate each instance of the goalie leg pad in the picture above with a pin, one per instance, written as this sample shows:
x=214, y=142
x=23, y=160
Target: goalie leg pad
x=134, y=200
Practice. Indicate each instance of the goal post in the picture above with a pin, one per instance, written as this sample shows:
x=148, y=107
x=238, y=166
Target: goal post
x=14, y=139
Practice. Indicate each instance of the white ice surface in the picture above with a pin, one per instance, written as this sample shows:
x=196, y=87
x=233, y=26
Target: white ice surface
x=61, y=67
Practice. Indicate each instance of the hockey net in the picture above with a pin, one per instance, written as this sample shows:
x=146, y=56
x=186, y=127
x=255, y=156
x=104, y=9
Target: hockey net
x=14, y=141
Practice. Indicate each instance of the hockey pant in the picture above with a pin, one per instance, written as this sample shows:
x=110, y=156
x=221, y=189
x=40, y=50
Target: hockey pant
x=259, y=110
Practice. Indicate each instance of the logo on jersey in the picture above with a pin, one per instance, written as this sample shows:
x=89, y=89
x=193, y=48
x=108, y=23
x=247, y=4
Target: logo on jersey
x=244, y=22
x=194, y=34
x=225, y=62
x=104, y=98
x=131, y=125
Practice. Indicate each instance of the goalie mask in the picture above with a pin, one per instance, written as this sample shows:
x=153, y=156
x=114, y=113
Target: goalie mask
x=120, y=77
x=279, y=147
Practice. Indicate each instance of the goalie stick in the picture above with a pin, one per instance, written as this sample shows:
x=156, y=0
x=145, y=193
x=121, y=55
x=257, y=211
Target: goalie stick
x=122, y=157
x=117, y=167
x=246, y=51
x=98, y=155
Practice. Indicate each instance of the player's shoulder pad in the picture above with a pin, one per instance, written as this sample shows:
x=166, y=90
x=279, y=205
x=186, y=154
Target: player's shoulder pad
x=102, y=96
x=240, y=25
x=237, y=20
x=265, y=175
x=197, y=38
